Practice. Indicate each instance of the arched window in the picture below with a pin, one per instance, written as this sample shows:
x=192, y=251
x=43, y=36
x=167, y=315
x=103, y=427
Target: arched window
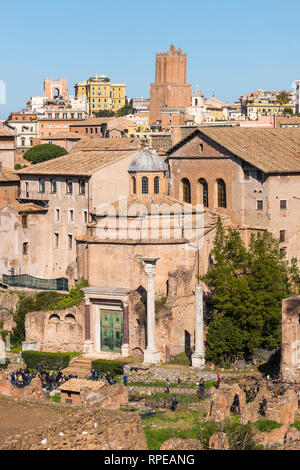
x=221, y=193
x=54, y=318
x=186, y=190
x=156, y=185
x=133, y=185
x=145, y=185
x=203, y=192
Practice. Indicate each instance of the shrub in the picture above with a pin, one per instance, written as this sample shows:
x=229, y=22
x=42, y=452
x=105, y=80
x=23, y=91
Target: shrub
x=113, y=367
x=266, y=425
x=46, y=360
x=74, y=297
x=41, y=301
x=4, y=366
x=44, y=152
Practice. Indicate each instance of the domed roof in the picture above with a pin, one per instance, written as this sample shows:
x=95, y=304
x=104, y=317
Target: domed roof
x=147, y=161
x=197, y=92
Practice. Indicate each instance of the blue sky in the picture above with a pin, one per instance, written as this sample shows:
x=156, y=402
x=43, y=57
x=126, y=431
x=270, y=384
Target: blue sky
x=233, y=46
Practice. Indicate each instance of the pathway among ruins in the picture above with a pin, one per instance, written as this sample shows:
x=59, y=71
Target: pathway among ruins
x=83, y=364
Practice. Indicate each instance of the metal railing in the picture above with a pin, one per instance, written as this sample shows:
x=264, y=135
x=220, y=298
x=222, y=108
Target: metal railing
x=31, y=282
x=34, y=195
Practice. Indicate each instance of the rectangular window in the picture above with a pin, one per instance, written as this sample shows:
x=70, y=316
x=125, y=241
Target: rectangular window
x=259, y=175
x=53, y=186
x=57, y=215
x=85, y=217
x=81, y=187
x=246, y=175
x=70, y=240
x=24, y=221
x=259, y=205
x=25, y=248
x=282, y=236
x=41, y=185
x=56, y=240
x=283, y=251
x=69, y=187
x=283, y=204
x=71, y=215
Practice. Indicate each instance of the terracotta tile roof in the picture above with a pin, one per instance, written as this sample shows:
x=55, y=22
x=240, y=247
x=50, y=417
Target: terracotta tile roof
x=76, y=163
x=93, y=121
x=19, y=207
x=75, y=385
x=91, y=143
x=270, y=150
x=62, y=135
x=8, y=175
x=118, y=123
x=7, y=133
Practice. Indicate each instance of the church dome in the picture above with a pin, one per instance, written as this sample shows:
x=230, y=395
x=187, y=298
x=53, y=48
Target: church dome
x=147, y=161
x=197, y=92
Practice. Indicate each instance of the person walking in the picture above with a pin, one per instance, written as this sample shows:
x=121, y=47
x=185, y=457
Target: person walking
x=125, y=380
x=167, y=389
x=174, y=403
x=218, y=379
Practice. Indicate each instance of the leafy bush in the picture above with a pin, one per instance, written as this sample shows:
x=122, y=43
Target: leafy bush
x=266, y=425
x=4, y=333
x=74, y=297
x=113, y=367
x=4, y=366
x=44, y=152
x=40, y=301
x=46, y=360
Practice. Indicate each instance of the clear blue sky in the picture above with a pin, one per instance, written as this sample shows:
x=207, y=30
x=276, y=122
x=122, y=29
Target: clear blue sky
x=233, y=46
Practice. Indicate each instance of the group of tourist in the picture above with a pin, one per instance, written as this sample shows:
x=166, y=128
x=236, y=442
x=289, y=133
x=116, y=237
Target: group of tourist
x=50, y=380
x=103, y=377
x=21, y=378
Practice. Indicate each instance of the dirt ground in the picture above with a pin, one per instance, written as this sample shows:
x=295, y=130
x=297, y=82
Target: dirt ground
x=18, y=415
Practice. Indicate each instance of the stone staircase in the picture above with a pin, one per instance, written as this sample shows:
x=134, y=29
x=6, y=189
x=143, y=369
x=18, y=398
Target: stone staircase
x=83, y=364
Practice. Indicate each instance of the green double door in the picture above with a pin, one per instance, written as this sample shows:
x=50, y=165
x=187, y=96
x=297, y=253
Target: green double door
x=111, y=330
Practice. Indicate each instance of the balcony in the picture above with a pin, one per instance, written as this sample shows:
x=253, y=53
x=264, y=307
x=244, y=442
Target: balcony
x=35, y=197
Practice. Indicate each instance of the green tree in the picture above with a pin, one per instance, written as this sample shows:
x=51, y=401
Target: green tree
x=288, y=111
x=44, y=152
x=105, y=113
x=126, y=109
x=224, y=341
x=247, y=286
x=283, y=97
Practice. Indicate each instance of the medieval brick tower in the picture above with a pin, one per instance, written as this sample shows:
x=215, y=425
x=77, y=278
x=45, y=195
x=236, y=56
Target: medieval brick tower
x=170, y=88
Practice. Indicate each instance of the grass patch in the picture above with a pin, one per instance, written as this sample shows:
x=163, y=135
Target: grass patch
x=296, y=425
x=56, y=398
x=16, y=349
x=189, y=424
x=181, y=359
x=183, y=400
x=266, y=425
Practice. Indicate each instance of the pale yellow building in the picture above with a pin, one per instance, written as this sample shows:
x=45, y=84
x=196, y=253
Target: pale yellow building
x=101, y=94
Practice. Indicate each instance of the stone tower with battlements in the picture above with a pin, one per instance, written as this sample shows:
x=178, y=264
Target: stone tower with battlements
x=170, y=89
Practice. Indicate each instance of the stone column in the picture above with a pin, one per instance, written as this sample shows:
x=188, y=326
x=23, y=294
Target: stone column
x=151, y=353
x=198, y=360
x=87, y=343
x=2, y=351
x=125, y=342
